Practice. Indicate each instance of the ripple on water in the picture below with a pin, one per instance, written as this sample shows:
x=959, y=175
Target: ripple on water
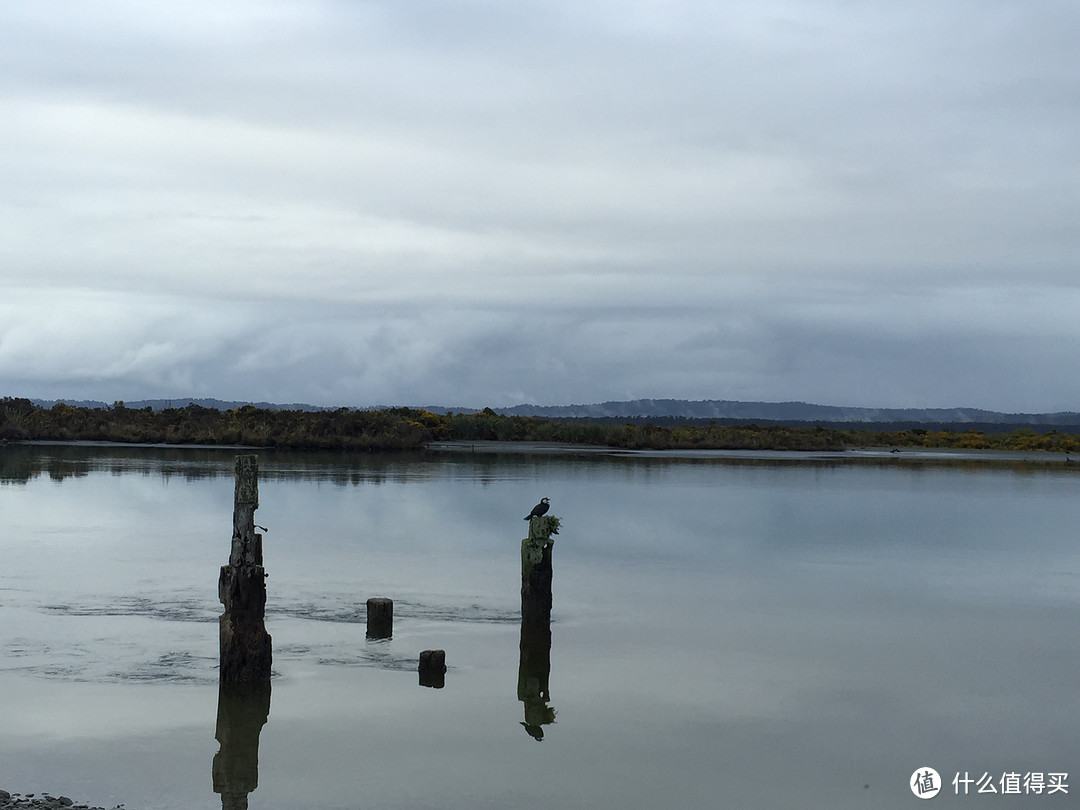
x=164, y=609
x=113, y=651
x=355, y=612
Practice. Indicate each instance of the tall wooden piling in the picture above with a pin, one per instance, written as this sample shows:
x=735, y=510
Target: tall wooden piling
x=534, y=666
x=245, y=653
x=536, y=568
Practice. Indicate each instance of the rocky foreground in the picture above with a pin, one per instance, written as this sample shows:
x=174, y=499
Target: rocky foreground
x=43, y=801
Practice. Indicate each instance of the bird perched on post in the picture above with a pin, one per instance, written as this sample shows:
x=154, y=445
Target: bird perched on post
x=538, y=510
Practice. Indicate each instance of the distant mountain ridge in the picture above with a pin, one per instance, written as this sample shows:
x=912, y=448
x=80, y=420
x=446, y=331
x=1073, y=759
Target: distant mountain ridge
x=180, y=402
x=786, y=412
x=674, y=409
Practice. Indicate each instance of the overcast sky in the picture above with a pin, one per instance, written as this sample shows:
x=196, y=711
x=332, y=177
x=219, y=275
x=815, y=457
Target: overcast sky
x=480, y=203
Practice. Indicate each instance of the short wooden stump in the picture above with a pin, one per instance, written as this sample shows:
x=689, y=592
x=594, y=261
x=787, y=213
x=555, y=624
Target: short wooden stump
x=433, y=668
x=380, y=617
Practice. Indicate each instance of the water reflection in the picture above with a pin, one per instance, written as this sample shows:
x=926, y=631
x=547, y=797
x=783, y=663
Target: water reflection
x=21, y=463
x=534, y=669
x=243, y=709
x=817, y=581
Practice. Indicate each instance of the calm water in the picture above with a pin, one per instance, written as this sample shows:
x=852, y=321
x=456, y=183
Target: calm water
x=727, y=631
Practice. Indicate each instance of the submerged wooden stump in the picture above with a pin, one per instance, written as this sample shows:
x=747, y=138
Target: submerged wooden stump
x=245, y=649
x=433, y=668
x=380, y=617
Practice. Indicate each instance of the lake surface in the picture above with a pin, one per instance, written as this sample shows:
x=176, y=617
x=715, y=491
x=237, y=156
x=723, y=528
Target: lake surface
x=728, y=630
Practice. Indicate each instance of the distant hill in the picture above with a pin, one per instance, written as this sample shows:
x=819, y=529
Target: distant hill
x=786, y=412
x=181, y=402
x=673, y=410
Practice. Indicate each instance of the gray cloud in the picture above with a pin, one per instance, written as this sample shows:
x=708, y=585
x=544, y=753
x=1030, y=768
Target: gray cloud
x=485, y=203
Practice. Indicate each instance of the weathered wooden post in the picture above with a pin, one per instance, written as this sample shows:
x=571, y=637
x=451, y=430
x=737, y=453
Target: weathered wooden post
x=536, y=568
x=433, y=668
x=534, y=667
x=242, y=711
x=380, y=617
x=245, y=644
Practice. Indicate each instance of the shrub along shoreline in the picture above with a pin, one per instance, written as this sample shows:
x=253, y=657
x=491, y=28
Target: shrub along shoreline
x=31, y=801
x=412, y=429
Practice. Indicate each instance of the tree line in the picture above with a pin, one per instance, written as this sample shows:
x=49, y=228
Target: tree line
x=410, y=428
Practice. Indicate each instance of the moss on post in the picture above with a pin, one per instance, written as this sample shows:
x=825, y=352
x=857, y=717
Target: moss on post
x=538, y=541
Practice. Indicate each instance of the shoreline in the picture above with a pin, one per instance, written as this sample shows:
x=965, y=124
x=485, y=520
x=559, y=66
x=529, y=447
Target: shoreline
x=44, y=801
x=526, y=447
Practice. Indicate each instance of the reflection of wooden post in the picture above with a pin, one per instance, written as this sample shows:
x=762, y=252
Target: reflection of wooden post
x=534, y=666
x=380, y=617
x=245, y=653
x=242, y=712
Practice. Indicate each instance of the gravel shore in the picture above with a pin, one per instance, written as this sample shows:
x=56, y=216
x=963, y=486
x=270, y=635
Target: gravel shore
x=43, y=801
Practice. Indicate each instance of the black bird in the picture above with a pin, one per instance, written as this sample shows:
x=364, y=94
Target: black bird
x=538, y=510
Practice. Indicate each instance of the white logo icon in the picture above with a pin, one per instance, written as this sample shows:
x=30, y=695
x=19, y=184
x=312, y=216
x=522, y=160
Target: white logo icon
x=925, y=783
